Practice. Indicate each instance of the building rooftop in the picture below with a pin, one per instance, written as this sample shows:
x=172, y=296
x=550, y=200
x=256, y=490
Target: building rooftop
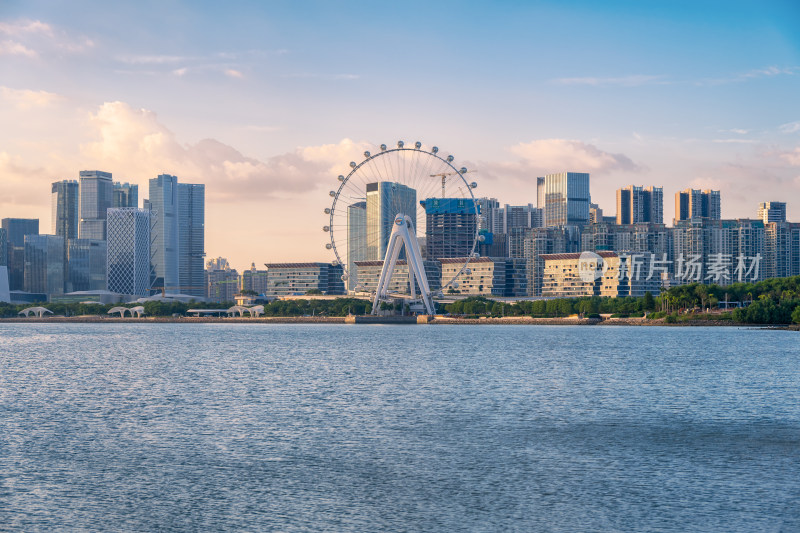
x=559, y=257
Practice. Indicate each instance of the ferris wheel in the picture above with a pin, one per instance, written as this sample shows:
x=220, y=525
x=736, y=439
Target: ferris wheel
x=395, y=212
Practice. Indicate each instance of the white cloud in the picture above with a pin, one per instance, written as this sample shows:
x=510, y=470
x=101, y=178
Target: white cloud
x=790, y=127
x=34, y=38
x=26, y=98
x=771, y=71
x=12, y=48
x=561, y=154
x=26, y=27
x=633, y=80
x=136, y=143
x=151, y=59
x=792, y=157
x=734, y=141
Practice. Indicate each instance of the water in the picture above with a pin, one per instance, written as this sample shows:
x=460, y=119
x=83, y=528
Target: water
x=141, y=427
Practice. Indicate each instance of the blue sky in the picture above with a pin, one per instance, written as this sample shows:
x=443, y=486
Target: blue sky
x=266, y=101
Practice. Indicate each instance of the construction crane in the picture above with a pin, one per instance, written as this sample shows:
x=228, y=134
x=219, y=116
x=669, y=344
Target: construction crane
x=444, y=175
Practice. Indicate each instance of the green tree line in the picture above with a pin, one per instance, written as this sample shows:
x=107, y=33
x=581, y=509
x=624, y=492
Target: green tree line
x=772, y=301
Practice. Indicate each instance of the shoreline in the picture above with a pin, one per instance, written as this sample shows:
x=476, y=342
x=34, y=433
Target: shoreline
x=641, y=322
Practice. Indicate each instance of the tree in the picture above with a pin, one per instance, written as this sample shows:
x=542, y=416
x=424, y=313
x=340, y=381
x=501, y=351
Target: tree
x=796, y=315
x=648, y=303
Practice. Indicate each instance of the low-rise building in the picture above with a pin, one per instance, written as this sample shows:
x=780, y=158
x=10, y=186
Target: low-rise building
x=286, y=279
x=574, y=275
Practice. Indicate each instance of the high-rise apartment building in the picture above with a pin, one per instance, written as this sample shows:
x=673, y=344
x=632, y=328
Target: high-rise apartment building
x=486, y=207
x=191, y=238
x=781, y=249
x=547, y=240
x=125, y=195
x=65, y=203
x=567, y=199
x=772, y=212
x=385, y=200
x=163, y=203
x=96, y=197
x=450, y=227
x=694, y=203
x=44, y=264
x=223, y=283
x=356, y=240
x=254, y=280
x=128, y=259
x=640, y=204
x=506, y=218
x=16, y=229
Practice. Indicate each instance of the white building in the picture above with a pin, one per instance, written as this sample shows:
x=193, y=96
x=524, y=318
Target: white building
x=128, y=266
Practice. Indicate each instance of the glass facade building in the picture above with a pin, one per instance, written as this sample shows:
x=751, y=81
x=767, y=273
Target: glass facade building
x=16, y=229
x=125, y=195
x=128, y=259
x=96, y=197
x=163, y=203
x=385, y=200
x=44, y=264
x=65, y=202
x=356, y=240
x=86, y=265
x=191, y=239
x=178, y=235
x=567, y=199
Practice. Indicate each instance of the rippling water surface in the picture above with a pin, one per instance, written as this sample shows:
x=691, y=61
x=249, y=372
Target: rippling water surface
x=132, y=427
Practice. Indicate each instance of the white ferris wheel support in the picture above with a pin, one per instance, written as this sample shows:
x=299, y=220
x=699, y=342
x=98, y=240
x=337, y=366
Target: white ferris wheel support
x=412, y=167
x=399, y=238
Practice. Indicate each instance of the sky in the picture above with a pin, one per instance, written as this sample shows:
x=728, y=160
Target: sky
x=267, y=102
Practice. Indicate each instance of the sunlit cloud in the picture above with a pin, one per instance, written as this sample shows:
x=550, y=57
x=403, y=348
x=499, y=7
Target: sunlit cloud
x=34, y=38
x=26, y=99
x=12, y=48
x=792, y=157
x=561, y=154
x=233, y=73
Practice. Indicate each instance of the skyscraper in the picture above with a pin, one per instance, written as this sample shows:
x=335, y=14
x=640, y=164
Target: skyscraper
x=125, y=195
x=128, y=265
x=16, y=230
x=356, y=240
x=640, y=204
x=567, y=199
x=163, y=202
x=86, y=265
x=540, y=192
x=65, y=202
x=385, y=200
x=96, y=196
x=3, y=248
x=450, y=227
x=191, y=239
x=44, y=264
x=772, y=212
x=694, y=203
